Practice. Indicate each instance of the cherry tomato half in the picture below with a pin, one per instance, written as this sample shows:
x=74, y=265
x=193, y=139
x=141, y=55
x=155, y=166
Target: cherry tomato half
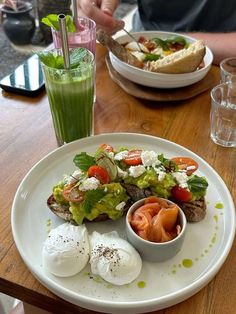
x=186, y=163
x=106, y=147
x=133, y=158
x=180, y=194
x=99, y=173
x=72, y=194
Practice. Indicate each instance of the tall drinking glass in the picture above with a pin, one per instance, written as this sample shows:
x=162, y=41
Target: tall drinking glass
x=85, y=35
x=71, y=97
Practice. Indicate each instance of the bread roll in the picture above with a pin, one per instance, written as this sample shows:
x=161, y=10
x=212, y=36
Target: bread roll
x=182, y=61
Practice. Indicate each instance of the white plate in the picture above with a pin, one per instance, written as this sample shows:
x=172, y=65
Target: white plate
x=159, y=80
x=207, y=243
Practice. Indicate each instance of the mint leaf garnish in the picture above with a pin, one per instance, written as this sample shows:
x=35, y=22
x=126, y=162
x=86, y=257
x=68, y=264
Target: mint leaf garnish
x=51, y=60
x=51, y=20
x=91, y=198
x=76, y=56
x=84, y=161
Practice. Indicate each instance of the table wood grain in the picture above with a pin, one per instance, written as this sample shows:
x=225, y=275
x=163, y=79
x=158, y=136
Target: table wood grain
x=26, y=135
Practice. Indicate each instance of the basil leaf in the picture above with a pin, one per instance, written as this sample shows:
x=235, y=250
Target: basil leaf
x=177, y=39
x=197, y=185
x=151, y=57
x=84, y=161
x=162, y=43
x=91, y=198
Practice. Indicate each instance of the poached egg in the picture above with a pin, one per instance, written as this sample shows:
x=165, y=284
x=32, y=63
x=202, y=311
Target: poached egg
x=113, y=258
x=66, y=250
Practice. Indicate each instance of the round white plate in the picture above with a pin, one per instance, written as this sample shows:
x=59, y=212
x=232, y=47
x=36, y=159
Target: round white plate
x=159, y=80
x=159, y=285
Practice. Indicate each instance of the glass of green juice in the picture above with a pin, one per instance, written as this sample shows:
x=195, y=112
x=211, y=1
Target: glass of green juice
x=70, y=93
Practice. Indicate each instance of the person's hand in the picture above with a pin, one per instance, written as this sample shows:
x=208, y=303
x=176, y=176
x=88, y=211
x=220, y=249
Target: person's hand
x=101, y=11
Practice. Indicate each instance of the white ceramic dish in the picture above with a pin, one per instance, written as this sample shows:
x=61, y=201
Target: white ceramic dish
x=159, y=80
x=206, y=243
x=155, y=251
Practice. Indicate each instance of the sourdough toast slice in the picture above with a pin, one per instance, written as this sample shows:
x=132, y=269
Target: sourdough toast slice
x=194, y=211
x=63, y=211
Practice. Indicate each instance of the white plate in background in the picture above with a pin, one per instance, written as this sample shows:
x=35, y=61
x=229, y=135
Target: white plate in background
x=159, y=80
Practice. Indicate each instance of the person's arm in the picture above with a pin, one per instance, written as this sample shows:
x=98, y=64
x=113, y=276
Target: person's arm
x=101, y=11
x=223, y=45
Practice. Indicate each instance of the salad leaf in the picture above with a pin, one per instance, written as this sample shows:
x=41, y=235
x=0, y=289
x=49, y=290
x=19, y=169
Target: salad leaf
x=91, y=198
x=177, y=39
x=162, y=43
x=51, y=20
x=151, y=57
x=84, y=161
x=197, y=186
x=169, y=164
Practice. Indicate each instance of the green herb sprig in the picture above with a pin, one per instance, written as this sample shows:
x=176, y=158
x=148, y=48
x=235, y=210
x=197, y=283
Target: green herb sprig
x=51, y=20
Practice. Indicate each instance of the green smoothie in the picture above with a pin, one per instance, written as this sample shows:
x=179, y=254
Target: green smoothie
x=71, y=97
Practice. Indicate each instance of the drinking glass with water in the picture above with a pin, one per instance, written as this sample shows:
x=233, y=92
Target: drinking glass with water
x=223, y=114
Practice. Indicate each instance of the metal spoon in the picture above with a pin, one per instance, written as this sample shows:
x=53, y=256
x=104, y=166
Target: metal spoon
x=134, y=39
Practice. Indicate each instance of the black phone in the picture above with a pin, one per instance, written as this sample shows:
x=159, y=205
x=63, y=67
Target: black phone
x=27, y=79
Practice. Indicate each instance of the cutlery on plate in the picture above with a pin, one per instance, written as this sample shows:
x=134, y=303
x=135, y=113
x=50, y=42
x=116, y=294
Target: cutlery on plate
x=117, y=49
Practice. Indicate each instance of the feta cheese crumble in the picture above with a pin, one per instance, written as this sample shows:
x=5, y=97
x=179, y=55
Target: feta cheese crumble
x=160, y=171
x=120, y=206
x=121, y=173
x=121, y=155
x=89, y=184
x=111, y=154
x=181, y=178
x=149, y=158
x=68, y=179
x=136, y=171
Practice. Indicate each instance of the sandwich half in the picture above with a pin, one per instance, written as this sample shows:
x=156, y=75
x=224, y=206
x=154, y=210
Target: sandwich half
x=183, y=61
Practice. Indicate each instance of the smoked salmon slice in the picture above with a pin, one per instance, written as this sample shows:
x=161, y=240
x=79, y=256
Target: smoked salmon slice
x=156, y=220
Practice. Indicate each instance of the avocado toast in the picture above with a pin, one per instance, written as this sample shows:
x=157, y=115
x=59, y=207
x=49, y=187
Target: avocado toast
x=105, y=185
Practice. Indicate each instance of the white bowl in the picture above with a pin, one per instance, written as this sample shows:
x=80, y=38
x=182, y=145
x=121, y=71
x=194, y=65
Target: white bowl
x=159, y=80
x=153, y=251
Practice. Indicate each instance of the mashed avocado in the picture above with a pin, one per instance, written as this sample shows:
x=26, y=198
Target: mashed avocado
x=147, y=179
x=163, y=188
x=110, y=195
x=57, y=193
x=150, y=180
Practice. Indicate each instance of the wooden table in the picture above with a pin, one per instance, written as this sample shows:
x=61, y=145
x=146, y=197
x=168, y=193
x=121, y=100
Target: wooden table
x=26, y=135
